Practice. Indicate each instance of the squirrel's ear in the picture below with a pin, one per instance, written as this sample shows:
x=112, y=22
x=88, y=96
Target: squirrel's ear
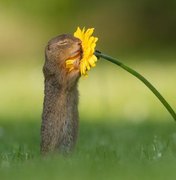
x=48, y=47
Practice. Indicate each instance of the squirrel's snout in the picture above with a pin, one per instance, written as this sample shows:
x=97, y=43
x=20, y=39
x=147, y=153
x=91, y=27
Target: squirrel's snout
x=79, y=42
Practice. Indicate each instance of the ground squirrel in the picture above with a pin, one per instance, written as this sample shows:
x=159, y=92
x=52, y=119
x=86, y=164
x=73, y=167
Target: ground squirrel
x=60, y=108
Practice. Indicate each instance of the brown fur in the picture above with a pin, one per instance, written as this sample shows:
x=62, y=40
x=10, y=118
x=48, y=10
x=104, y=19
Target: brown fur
x=60, y=109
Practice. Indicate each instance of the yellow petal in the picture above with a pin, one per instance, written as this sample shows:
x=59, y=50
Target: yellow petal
x=78, y=33
x=69, y=61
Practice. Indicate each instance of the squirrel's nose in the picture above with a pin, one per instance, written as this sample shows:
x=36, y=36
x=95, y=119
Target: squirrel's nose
x=79, y=42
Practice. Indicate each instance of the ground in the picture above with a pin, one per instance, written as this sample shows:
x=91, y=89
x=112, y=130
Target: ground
x=104, y=151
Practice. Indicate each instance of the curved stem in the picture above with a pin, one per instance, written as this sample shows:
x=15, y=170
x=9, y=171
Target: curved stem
x=140, y=77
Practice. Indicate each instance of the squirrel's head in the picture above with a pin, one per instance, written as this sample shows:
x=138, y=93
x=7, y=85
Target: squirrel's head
x=60, y=49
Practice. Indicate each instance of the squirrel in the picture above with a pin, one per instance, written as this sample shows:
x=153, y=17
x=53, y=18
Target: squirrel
x=59, y=127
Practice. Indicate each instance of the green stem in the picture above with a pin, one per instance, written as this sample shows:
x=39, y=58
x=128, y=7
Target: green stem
x=140, y=77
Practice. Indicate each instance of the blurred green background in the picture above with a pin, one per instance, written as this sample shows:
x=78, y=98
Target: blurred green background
x=139, y=33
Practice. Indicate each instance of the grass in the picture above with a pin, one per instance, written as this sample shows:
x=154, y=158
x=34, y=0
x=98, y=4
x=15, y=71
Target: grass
x=104, y=151
x=125, y=133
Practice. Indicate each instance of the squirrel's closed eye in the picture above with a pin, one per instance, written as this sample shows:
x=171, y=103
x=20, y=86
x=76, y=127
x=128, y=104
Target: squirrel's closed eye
x=64, y=42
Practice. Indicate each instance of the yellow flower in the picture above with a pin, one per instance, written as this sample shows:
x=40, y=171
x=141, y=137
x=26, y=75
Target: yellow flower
x=88, y=48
